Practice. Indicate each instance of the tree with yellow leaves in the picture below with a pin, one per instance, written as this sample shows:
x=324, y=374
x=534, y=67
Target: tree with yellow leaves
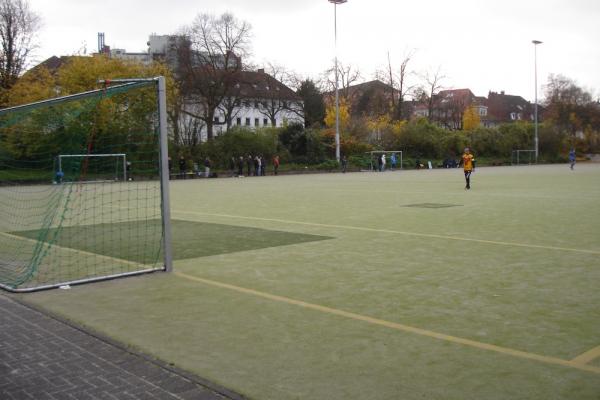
x=471, y=118
x=344, y=114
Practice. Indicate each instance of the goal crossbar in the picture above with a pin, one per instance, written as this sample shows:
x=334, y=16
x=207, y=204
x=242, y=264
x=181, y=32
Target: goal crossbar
x=123, y=155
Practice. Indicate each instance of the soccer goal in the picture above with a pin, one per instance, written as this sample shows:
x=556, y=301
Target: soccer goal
x=69, y=211
x=523, y=157
x=389, y=156
x=97, y=167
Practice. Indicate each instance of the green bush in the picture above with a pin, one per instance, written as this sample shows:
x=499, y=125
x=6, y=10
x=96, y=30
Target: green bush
x=329, y=165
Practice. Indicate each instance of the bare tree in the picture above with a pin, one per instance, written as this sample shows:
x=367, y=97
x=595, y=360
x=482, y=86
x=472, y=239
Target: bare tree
x=347, y=76
x=18, y=28
x=398, y=81
x=433, y=85
x=230, y=106
x=210, y=57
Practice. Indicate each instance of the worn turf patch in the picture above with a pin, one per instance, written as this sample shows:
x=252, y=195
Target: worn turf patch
x=432, y=205
x=137, y=241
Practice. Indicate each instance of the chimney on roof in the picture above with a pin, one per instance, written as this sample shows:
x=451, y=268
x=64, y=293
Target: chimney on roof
x=261, y=70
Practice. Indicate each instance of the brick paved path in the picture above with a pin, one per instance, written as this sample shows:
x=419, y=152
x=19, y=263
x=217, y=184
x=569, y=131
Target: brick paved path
x=44, y=358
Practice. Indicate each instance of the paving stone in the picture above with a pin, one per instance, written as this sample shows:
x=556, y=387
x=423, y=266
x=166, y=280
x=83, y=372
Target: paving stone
x=42, y=357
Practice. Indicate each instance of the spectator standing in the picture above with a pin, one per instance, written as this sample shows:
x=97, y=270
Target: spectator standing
x=394, y=161
x=380, y=163
x=275, y=164
x=207, y=165
x=256, y=166
x=182, y=167
x=572, y=159
x=344, y=164
x=263, y=166
x=241, y=166
x=249, y=164
x=383, y=162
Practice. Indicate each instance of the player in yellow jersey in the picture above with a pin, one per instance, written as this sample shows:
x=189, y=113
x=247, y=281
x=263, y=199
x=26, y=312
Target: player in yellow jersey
x=468, y=162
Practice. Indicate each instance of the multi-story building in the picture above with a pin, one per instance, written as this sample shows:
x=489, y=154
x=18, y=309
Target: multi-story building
x=255, y=100
x=503, y=108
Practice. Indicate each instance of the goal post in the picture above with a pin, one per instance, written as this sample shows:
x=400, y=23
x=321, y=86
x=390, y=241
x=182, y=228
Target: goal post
x=375, y=153
x=523, y=157
x=84, y=187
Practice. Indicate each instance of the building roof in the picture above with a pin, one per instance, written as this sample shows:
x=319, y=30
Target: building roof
x=260, y=85
x=53, y=64
x=501, y=105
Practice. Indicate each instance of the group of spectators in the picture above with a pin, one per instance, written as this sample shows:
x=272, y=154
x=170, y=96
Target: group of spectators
x=183, y=168
x=382, y=162
x=255, y=165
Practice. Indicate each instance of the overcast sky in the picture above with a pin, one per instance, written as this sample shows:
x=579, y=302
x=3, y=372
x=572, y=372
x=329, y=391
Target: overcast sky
x=478, y=44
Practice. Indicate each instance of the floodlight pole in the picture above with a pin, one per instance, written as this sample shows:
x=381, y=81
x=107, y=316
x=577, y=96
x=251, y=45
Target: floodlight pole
x=337, y=95
x=535, y=43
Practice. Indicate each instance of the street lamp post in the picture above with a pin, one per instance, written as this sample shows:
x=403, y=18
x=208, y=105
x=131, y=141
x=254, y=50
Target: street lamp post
x=537, y=148
x=337, y=95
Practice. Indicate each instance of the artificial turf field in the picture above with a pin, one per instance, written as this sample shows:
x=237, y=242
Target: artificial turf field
x=396, y=285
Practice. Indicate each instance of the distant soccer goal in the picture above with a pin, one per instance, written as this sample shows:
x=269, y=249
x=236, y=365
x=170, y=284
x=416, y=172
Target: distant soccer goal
x=389, y=156
x=84, y=187
x=92, y=167
x=523, y=157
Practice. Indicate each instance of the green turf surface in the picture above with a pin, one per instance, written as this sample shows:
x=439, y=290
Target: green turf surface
x=136, y=240
x=515, y=264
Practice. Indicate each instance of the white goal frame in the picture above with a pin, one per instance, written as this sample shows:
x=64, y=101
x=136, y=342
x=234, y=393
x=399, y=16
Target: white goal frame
x=371, y=153
x=518, y=157
x=159, y=83
x=61, y=156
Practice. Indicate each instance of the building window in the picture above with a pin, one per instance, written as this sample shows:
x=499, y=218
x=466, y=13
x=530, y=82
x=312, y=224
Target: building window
x=265, y=122
x=247, y=121
x=513, y=116
x=256, y=122
x=238, y=121
x=216, y=120
x=255, y=104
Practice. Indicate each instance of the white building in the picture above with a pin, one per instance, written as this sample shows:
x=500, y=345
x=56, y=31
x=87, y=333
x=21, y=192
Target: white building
x=257, y=100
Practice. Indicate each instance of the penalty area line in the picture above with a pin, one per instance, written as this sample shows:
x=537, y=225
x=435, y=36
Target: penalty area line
x=415, y=234
x=396, y=326
x=588, y=356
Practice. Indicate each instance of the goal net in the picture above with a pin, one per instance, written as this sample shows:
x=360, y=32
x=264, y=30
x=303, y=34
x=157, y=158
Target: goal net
x=83, y=195
x=100, y=167
x=523, y=157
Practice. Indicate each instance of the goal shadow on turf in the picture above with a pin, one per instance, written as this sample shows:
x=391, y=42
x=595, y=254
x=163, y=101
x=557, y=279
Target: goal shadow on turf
x=432, y=205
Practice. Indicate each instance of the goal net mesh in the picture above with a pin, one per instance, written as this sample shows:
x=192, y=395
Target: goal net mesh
x=81, y=220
